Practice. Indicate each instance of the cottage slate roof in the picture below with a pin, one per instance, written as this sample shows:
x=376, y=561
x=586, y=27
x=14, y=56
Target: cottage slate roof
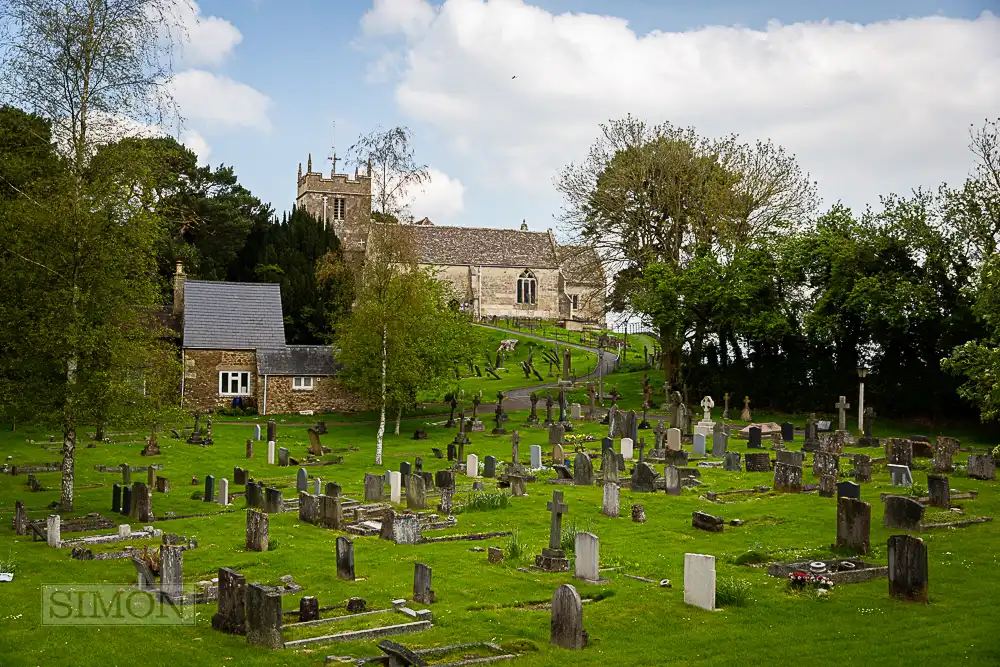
x=298, y=360
x=581, y=264
x=479, y=246
x=232, y=316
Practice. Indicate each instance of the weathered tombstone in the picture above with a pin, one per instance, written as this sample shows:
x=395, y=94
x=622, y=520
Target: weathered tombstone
x=862, y=468
x=315, y=447
x=270, y=452
x=945, y=449
x=146, y=580
x=494, y=555
x=21, y=517
x=643, y=478
x=116, y=499
x=825, y=463
x=308, y=609
x=249, y=449
x=827, y=486
x=556, y=434
x=274, y=501
x=150, y=475
x=732, y=462
x=317, y=486
x=720, y=439
x=141, y=503
x=611, y=506
x=907, y=568
x=406, y=529
x=447, y=496
x=698, y=444
x=490, y=466
x=53, y=530
x=345, y=558
x=263, y=614
x=791, y=458
x=902, y=513
x=558, y=454
x=981, y=466
x=223, y=497
x=788, y=432
x=272, y=430
x=854, y=520
x=240, y=476
x=705, y=521
x=126, y=474
x=257, y=530
x=673, y=480
x=395, y=486
x=939, y=491
x=757, y=462
x=699, y=580
x=373, y=487
x=587, y=557
x=753, y=438
x=638, y=514
x=583, y=470
x=674, y=439
x=787, y=477
x=899, y=451
x=171, y=570
x=284, y=458
x=422, y=591
x=900, y=475
x=231, y=617
x=444, y=479
x=536, y=456
x=575, y=411
x=848, y=490
x=566, y=630
x=416, y=496
x=518, y=488
x=472, y=465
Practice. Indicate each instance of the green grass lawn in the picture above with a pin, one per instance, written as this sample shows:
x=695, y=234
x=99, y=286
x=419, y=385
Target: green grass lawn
x=630, y=622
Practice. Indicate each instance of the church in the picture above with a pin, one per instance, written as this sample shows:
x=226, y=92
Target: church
x=492, y=272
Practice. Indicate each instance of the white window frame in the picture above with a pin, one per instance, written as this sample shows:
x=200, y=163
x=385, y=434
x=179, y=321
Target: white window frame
x=574, y=301
x=245, y=388
x=303, y=383
x=526, y=288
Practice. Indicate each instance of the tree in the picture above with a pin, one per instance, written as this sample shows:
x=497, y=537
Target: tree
x=78, y=249
x=388, y=156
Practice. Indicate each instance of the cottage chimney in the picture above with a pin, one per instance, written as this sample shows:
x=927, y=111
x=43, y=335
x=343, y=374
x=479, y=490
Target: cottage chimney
x=179, y=277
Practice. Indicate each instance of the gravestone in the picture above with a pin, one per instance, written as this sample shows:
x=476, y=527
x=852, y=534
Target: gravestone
x=126, y=499
x=223, y=497
x=141, y=508
x=317, y=486
x=587, y=557
x=472, y=464
x=902, y=513
x=209, y=495
x=674, y=439
x=753, y=438
x=720, y=439
x=53, y=530
x=981, y=466
x=452, y=451
x=302, y=480
x=907, y=568
x=643, y=478
x=231, y=617
x=699, y=443
x=825, y=463
x=556, y=434
x=939, y=491
x=566, y=629
x=116, y=499
x=575, y=411
x=257, y=531
x=171, y=570
x=422, y=591
x=315, y=447
x=827, y=486
x=373, y=488
x=790, y=458
x=848, y=490
x=699, y=580
x=272, y=430
x=256, y=431
x=274, y=501
x=249, y=449
x=126, y=474
x=240, y=476
x=21, y=518
x=732, y=462
x=945, y=449
x=705, y=521
x=900, y=475
x=416, y=496
x=536, y=456
x=444, y=479
x=405, y=470
x=490, y=466
x=787, y=431
x=518, y=488
x=270, y=452
x=553, y=558
x=558, y=454
x=638, y=514
x=673, y=480
x=899, y=451
x=308, y=608
x=787, y=477
x=345, y=558
x=395, y=487
x=862, y=468
x=611, y=506
x=583, y=470
x=263, y=615
x=447, y=496
x=284, y=459
x=628, y=448
x=757, y=462
x=854, y=520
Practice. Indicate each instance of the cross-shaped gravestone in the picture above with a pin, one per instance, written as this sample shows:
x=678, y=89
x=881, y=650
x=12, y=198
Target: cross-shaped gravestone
x=515, y=440
x=642, y=446
x=558, y=508
x=725, y=410
x=707, y=404
x=842, y=405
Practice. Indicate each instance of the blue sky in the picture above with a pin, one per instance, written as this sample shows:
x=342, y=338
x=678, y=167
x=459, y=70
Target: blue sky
x=866, y=107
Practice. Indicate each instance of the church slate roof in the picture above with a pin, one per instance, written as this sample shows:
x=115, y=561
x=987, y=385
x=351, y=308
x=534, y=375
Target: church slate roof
x=232, y=316
x=298, y=360
x=477, y=246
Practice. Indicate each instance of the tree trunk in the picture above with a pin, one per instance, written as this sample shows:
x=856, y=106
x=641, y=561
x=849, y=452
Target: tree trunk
x=68, y=459
x=99, y=432
x=399, y=418
x=381, y=416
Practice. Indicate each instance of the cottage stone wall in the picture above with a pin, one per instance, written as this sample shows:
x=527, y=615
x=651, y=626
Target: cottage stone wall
x=201, y=376
x=327, y=394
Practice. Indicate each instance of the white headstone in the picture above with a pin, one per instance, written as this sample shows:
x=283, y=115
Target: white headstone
x=707, y=404
x=699, y=580
x=587, y=551
x=900, y=475
x=575, y=411
x=256, y=431
x=53, y=530
x=395, y=484
x=612, y=500
x=674, y=439
x=124, y=530
x=628, y=449
x=270, y=452
x=472, y=464
x=536, y=456
x=223, y=497
x=703, y=430
x=699, y=444
x=317, y=486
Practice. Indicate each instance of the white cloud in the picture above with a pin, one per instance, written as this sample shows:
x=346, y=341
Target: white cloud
x=198, y=145
x=441, y=198
x=868, y=109
x=218, y=101
x=205, y=40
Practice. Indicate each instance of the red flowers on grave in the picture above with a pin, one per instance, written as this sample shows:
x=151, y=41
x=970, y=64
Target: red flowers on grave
x=799, y=580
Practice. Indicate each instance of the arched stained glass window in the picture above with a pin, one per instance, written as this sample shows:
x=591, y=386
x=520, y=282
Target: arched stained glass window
x=526, y=287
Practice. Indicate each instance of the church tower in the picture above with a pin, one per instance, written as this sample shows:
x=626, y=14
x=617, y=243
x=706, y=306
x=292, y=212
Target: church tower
x=340, y=202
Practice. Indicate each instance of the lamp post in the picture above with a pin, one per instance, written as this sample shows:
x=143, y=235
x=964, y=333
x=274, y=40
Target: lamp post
x=862, y=374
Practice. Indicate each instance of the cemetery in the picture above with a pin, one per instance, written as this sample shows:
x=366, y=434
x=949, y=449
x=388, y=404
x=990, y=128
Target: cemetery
x=538, y=544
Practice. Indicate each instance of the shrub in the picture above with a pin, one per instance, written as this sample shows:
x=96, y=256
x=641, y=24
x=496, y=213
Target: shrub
x=481, y=501
x=567, y=538
x=515, y=549
x=197, y=495
x=732, y=592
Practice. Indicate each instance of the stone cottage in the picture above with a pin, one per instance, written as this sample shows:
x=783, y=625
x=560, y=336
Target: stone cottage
x=234, y=353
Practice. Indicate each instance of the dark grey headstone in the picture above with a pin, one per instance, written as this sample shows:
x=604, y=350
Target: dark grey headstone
x=345, y=558
x=490, y=466
x=231, y=617
x=787, y=431
x=263, y=615
x=907, y=568
x=422, y=591
x=116, y=498
x=753, y=440
x=566, y=629
x=848, y=490
x=209, y=489
x=902, y=512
